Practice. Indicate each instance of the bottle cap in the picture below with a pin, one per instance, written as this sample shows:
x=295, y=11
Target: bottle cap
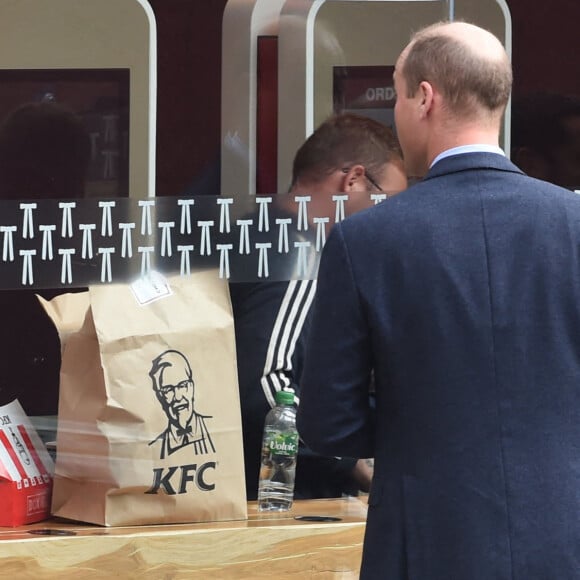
x=285, y=397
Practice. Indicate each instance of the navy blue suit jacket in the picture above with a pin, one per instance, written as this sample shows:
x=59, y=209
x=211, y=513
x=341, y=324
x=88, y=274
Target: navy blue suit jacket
x=463, y=295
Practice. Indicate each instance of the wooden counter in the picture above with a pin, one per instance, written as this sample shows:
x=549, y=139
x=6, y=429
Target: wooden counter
x=265, y=546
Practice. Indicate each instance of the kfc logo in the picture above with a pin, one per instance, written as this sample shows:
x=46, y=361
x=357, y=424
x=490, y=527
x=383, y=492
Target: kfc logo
x=175, y=388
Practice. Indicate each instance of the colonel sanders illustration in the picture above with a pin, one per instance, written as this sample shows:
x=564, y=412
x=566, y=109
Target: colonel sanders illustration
x=173, y=384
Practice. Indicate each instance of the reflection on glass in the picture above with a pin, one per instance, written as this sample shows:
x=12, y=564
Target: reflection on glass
x=546, y=137
x=60, y=128
x=365, y=90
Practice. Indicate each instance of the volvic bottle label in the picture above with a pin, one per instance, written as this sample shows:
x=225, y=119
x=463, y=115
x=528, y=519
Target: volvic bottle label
x=283, y=444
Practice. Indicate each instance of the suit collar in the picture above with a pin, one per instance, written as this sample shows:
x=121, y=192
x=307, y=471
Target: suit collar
x=468, y=161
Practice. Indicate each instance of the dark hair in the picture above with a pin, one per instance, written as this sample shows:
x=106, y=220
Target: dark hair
x=467, y=80
x=44, y=153
x=344, y=140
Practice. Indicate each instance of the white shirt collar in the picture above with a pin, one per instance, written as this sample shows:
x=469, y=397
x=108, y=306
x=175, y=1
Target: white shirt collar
x=475, y=148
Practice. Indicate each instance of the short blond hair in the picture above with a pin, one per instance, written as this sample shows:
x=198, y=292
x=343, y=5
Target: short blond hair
x=469, y=82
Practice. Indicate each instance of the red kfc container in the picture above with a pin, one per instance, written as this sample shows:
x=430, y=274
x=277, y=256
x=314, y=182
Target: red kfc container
x=26, y=470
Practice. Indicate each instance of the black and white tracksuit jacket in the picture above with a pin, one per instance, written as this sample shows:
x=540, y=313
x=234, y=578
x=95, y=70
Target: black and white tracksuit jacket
x=271, y=322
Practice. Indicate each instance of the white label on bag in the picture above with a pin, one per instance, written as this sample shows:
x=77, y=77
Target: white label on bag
x=150, y=287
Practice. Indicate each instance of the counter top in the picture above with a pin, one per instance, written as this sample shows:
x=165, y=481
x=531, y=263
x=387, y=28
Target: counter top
x=265, y=545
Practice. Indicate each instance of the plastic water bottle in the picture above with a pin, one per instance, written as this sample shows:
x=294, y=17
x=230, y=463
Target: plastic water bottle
x=279, y=449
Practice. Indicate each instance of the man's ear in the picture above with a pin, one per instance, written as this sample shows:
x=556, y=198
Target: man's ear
x=354, y=179
x=427, y=96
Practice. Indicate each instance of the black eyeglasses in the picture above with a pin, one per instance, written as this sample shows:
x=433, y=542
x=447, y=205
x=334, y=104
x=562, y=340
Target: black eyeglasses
x=369, y=177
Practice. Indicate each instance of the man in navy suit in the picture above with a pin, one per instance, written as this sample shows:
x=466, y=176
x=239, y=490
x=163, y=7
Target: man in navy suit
x=462, y=295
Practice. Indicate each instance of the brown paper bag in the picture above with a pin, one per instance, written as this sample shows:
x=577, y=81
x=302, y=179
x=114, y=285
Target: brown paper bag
x=149, y=427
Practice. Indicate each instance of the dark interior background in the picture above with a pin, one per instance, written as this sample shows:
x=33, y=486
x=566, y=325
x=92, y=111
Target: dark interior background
x=545, y=57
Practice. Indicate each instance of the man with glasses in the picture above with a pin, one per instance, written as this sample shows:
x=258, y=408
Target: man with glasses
x=346, y=154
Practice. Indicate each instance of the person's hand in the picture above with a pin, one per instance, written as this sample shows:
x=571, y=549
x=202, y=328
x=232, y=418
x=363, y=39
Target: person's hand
x=362, y=474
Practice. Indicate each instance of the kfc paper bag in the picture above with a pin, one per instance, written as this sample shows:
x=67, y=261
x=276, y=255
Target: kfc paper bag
x=149, y=427
x=25, y=469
